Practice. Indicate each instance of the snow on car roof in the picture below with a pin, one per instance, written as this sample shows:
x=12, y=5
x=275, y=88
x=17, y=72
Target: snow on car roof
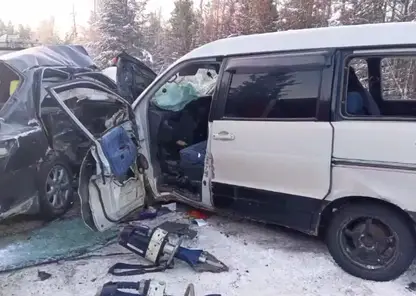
x=317, y=38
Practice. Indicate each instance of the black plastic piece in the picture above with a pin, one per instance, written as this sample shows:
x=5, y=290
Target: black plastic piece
x=113, y=289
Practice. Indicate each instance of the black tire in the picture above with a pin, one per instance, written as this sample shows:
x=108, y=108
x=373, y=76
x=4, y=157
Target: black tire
x=402, y=236
x=47, y=209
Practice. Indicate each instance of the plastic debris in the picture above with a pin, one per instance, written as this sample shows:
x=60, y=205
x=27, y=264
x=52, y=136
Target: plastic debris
x=200, y=222
x=197, y=214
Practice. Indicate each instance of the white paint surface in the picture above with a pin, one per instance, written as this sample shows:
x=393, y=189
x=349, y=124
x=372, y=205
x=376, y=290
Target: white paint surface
x=381, y=141
x=262, y=261
x=267, y=154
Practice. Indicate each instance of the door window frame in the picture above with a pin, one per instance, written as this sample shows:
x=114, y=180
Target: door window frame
x=307, y=60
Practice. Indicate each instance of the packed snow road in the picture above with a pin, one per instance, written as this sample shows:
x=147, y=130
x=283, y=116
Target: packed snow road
x=262, y=261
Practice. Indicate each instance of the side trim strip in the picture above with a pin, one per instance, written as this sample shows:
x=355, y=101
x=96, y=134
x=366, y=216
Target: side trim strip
x=373, y=164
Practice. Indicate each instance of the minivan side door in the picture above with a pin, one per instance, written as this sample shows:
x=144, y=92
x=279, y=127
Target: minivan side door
x=270, y=136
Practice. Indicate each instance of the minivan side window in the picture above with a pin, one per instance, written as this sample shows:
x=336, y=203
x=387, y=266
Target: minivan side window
x=379, y=87
x=274, y=94
x=398, y=78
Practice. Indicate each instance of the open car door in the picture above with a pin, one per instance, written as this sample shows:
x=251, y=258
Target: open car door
x=131, y=76
x=111, y=182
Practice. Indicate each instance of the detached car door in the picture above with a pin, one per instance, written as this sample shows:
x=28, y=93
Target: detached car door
x=110, y=181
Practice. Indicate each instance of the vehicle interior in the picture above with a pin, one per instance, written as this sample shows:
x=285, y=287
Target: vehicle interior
x=376, y=85
x=178, y=124
x=9, y=81
x=95, y=111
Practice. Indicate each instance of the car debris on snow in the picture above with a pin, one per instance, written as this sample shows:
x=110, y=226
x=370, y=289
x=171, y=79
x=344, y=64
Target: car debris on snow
x=156, y=246
x=143, y=288
x=43, y=276
x=278, y=261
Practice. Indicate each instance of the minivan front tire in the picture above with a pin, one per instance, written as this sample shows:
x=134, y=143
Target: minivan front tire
x=371, y=241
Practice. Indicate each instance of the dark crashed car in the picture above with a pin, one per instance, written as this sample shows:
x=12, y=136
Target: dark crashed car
x=40, y=150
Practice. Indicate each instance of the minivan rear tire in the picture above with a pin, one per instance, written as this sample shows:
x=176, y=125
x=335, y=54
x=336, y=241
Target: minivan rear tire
x=361, y=230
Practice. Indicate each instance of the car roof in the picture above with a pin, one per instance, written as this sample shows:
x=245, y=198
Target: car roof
x=318, y=38
x=48, y=56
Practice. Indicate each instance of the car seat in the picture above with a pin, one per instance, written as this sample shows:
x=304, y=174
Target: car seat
x=192, y=160
x=359, y=100
x=355, y=104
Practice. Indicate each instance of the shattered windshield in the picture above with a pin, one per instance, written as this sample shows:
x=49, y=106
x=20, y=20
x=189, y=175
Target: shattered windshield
x=181, y=90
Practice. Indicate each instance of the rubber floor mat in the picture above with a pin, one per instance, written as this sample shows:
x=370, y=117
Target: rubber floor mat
x=58, y=240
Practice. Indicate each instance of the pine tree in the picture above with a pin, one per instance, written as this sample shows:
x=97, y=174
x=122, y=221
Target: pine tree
x=264, y=16
x=25, y=33
x=154, y=39
x=301, y=14
x=118, y=30
x=2, y=28
x=199, y=37
x=229, y=25
x=255, y=17
x=243, y=17
x=182, y=28
x=88, y=35
x=10, y=28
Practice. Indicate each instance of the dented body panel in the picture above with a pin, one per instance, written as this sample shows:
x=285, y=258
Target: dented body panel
x=23, y=150
x=24, y=145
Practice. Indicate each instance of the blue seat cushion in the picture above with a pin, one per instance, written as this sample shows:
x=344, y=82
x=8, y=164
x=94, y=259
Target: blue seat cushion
x=119, y=149
x=192, y=160
x=355, y=103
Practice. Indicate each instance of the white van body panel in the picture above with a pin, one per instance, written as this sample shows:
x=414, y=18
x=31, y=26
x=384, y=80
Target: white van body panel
x=278, y=156
x=375, y=159
x=393, y=186
x=380, y=141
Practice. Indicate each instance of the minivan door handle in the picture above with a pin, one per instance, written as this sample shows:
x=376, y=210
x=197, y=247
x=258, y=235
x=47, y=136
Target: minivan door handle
x=223, y=136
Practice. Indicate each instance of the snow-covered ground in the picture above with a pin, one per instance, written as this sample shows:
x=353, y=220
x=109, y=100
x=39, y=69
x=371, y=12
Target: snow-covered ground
x=262, y=261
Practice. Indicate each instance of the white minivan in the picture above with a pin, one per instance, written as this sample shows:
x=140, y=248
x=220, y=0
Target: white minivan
x=311, y=129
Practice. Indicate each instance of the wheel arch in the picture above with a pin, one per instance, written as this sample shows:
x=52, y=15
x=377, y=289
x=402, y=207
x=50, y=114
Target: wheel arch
x=333, y=206
x=52, y=155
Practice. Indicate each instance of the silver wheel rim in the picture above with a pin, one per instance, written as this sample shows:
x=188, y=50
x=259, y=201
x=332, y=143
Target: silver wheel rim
x=58, y=187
